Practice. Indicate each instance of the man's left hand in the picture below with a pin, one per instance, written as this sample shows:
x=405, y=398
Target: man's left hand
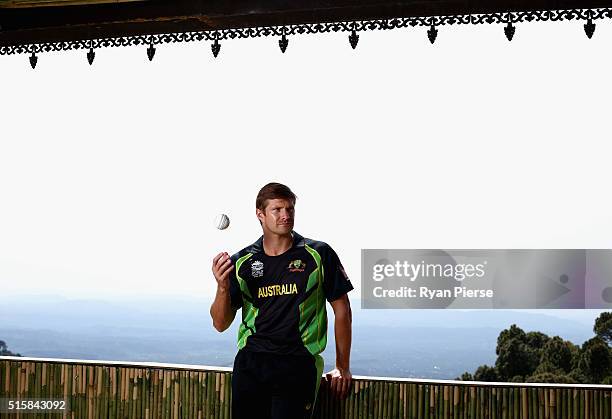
x=339, y=381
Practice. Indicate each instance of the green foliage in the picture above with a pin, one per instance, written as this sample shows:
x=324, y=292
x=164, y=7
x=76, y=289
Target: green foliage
x=486, y=373
x=547, y=366
x=577, y=376
x=557, y=354
x=595, y=360
x=506, y=335
x=603, y=327
x=515, y=356
x=537, y=358
x=549, y=377
x=466, y=376
x=536, y=340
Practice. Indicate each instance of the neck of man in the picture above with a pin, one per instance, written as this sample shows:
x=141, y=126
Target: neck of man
x=276, y=244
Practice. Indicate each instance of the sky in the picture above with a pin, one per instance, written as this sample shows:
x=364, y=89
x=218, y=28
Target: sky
x=111, y=175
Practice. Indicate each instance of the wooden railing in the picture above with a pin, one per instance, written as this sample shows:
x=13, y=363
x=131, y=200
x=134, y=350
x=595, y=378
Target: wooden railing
x=110, y=389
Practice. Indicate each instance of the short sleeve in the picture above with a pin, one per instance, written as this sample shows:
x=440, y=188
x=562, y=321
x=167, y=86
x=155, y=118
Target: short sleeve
x=335, y=280
x=234, y=286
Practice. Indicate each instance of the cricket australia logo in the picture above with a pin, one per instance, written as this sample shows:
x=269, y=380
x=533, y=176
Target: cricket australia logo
x=257, y=269
x=296, y=266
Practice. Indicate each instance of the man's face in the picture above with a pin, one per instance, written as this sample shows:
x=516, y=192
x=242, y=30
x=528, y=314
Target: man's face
x=277, y=217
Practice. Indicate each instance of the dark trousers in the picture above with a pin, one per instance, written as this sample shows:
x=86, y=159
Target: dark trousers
x=270, y=386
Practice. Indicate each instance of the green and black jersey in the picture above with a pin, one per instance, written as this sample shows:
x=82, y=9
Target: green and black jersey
x=283, y=297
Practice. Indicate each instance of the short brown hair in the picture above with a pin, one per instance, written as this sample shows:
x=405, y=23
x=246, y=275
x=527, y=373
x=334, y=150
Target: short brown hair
x=273, y=190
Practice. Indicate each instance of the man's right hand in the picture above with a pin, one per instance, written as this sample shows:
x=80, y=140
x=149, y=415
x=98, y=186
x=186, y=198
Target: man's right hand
x=221, y=310
x=221, y=267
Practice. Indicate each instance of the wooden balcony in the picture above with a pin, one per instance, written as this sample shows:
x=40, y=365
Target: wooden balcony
x=110, y=389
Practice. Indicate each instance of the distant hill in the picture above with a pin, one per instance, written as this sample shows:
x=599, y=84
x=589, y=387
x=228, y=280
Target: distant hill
x=405, y=343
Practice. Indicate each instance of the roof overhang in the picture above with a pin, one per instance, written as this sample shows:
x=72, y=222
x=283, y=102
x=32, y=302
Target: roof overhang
x=69, y=24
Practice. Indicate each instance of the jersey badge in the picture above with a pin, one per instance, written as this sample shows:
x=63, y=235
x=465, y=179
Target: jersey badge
x=296, y=266
x=257, y=269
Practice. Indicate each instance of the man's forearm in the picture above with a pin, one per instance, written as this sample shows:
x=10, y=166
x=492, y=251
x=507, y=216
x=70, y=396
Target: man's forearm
x=221, y=310
x=342, y=327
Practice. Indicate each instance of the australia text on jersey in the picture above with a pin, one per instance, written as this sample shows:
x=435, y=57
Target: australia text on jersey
x=275, y=290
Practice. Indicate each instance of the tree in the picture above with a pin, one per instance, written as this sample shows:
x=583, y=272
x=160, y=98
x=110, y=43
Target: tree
x=486, y=373
x=536, y=357
x=557, y=354
x=603, y=327
x=547, y=366
x=577, y=376
x=515, y=356
x=549, y=377
x=466, y=376
x=4, y=350
x=514, y=332
x=595, y=360
x=536, y=340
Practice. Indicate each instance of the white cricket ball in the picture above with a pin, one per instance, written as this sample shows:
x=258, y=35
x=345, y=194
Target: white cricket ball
x=222, y=221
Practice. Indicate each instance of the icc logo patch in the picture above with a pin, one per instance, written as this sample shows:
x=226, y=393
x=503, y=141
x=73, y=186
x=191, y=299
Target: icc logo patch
x=257, y=269
x=296, y=266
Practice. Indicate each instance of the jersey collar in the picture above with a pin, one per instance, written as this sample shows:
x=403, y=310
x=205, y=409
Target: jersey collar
x=257, y=247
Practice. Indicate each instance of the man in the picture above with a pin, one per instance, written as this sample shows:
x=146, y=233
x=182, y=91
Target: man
x=281, y=283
